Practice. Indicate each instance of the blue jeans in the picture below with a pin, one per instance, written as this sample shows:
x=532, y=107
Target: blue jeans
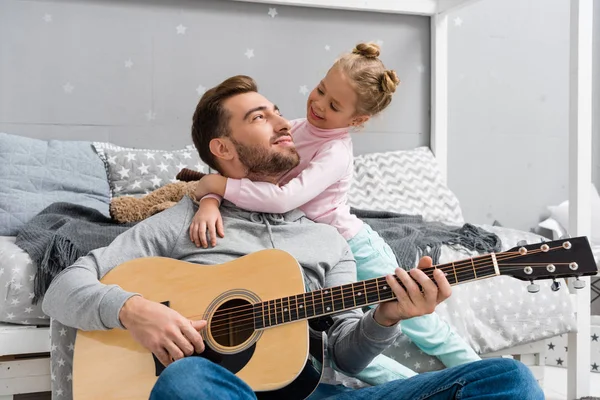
x=497, y=378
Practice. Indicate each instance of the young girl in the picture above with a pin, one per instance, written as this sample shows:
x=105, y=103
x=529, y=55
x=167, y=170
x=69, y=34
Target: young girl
x=355, y=88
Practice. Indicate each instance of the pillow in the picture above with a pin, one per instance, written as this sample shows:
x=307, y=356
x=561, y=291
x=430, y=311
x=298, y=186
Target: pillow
x=36, y=173
x=406, y=182
x=137, y=172
x=16, y=286
x=561, y=214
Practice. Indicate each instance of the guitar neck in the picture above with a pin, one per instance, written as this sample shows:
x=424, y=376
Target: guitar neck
x=358, y=294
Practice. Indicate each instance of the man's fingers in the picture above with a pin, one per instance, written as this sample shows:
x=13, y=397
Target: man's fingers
x=412, y=290
x=425, y=262
x=401, y=295
x=430, y=290
x=174, y=351
x=190, y=330
x=163, y=356
x=184, y=344
x=444, y=288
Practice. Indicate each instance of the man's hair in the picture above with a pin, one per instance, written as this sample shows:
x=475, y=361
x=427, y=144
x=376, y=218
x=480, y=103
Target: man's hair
x=211, y=119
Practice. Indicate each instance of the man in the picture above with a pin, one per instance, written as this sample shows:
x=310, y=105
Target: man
x=240, y=133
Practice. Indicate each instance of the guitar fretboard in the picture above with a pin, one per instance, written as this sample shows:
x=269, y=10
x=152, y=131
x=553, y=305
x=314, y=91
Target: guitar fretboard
x=354, y=295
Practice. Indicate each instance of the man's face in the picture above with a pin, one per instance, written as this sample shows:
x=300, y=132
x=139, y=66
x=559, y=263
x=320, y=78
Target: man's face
x=261, y=136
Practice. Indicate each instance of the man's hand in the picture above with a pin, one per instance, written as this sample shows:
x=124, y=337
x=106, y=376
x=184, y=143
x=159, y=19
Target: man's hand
x=163, y=331
x=211, y=183
x=412, y=302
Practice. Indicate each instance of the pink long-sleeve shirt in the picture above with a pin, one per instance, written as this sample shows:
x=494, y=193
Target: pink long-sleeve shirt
x=318, y=185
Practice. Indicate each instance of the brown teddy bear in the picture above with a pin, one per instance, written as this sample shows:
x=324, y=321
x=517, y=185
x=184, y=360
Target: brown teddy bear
x=130, y=209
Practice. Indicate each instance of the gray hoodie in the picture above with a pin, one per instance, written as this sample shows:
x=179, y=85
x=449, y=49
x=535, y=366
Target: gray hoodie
x=77, y=299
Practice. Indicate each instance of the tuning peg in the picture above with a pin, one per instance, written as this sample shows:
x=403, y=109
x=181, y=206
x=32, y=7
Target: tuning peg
x=578, y=284
x=555, y=286
x=522, y=243
x=533, y=287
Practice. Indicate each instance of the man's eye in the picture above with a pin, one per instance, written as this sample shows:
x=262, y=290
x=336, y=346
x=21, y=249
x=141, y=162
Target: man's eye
x=333, y=107
x=320, y=91
x=257, y=117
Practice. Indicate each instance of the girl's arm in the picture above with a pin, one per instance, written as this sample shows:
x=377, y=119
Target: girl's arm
x=326, y=168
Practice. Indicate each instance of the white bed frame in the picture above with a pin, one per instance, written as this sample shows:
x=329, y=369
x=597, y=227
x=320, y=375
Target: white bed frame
x=22, y=371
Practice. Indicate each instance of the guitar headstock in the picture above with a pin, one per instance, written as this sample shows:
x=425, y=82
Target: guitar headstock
x=565, y=258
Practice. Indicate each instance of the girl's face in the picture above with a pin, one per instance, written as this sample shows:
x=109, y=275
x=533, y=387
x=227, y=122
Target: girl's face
x=332, y=104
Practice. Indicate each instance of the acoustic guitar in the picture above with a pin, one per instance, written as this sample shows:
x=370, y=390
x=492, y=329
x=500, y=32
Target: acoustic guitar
x=258, y=314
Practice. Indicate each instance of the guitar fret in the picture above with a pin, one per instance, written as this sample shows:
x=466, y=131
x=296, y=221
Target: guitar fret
x=289, y=309
x=314, y=304
x=282, y=310
x=455, y=276
x=338, y=299
x=294, y=316
x=474, y=271
x=348, y=296
x=378, y=293
x=332, y=300
x=372, y=294
x=359, y=295
x=327, y=300
x=273, y=312
x=385, y=291
x=302, y=307
x=258, y=316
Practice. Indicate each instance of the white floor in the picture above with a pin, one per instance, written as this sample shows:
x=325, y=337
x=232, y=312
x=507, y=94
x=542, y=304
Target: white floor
x=555, y=383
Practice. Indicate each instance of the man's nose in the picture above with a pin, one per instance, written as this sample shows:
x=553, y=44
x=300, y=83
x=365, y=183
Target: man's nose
x=282, y=125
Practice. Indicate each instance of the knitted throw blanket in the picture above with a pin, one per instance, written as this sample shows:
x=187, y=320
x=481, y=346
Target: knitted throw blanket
x=59, y=235
x=410, y=237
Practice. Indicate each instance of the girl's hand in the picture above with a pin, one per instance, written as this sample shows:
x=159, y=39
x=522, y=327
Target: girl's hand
x=208, y=217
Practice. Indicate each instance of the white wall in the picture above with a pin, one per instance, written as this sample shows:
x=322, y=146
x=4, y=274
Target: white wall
x=508, y=117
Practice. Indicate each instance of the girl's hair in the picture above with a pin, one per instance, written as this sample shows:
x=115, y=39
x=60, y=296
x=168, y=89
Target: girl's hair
x=373, y=84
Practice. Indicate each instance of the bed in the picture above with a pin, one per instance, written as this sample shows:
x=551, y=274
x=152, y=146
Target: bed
x=485, y=328
x=495, y=316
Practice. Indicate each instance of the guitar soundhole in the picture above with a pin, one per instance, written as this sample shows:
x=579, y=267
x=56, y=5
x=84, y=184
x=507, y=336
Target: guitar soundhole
x=232, y=323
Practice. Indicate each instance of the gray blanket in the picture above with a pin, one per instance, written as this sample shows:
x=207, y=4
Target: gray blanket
x=410, y=236
x=59, y=235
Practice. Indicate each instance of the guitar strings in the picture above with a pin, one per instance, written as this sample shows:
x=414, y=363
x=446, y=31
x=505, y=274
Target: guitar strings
x=248, y=324
x=465, y=266
x=280, y=307
x=223, y=326
x=371, y=288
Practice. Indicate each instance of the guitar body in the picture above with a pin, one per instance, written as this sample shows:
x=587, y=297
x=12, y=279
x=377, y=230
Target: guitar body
x=111, y=365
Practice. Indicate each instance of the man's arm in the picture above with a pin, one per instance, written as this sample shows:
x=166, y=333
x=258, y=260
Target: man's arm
x=76, y=297
x=356, y=338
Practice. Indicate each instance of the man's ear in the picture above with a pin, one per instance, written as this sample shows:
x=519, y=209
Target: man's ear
x=222, y=148
x=359, y=120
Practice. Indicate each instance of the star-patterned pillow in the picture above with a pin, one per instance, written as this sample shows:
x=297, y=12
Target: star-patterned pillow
x=137, y=172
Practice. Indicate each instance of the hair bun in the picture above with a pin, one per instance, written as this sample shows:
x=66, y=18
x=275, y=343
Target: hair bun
x=389, y=81
x=369, y=50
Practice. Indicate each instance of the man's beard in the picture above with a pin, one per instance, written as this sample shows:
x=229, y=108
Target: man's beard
x=264, y=164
